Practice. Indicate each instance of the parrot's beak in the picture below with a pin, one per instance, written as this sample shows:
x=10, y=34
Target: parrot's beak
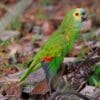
x=84, y=17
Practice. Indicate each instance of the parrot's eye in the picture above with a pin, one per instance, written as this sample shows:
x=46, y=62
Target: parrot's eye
x=77, y=14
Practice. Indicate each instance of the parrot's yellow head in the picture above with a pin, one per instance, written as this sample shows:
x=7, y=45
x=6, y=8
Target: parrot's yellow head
x=79, y=14
x=73, y=19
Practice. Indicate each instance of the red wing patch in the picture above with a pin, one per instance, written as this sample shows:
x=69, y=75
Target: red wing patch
x=47, y=59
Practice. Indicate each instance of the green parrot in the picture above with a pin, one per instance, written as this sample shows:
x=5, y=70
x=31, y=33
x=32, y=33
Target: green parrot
x=58, y=44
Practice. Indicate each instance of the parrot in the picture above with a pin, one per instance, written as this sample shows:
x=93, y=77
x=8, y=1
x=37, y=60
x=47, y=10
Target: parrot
x=58, y=45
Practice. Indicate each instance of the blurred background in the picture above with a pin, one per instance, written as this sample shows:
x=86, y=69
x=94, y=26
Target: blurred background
x=25, y=25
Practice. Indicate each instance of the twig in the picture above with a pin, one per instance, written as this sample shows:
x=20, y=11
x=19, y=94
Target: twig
x=54, y=95
x=86, y=59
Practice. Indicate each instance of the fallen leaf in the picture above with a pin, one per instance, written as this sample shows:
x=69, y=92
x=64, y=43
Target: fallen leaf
x=41, y=88
x=47, y=28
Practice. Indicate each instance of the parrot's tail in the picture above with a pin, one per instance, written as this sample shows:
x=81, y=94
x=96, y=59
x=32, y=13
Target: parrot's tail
x=33, y=67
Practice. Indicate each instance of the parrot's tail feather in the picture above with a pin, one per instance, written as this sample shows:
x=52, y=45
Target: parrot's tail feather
x=32, y=68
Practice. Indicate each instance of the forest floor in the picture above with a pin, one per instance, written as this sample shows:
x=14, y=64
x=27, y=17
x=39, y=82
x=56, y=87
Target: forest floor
x=79, y=75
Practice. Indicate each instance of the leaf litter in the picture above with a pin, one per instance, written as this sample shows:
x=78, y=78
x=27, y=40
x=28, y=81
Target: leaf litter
x=24, y=39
